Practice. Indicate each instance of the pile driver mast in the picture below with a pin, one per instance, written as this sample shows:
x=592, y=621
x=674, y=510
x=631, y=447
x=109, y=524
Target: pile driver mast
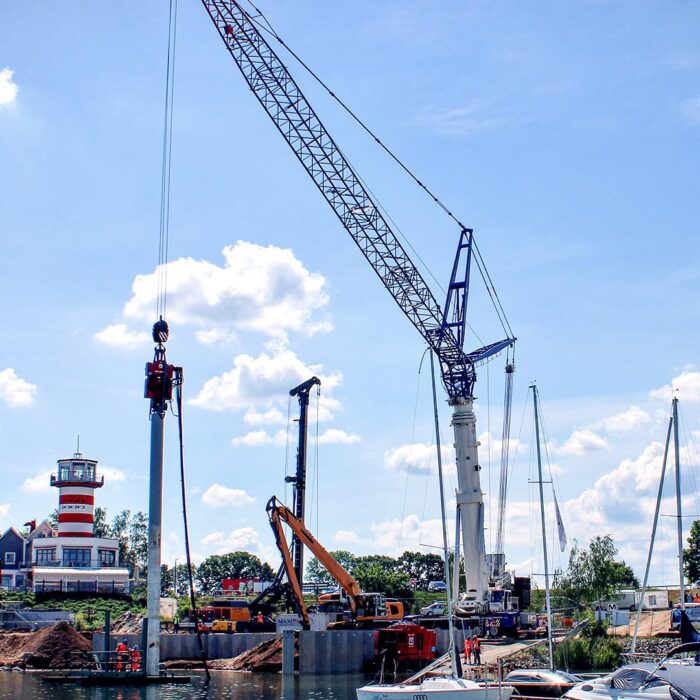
x=444, y=329
x=302, y=392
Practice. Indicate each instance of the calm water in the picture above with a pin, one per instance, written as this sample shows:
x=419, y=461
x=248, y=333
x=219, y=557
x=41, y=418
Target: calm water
x=224, y=685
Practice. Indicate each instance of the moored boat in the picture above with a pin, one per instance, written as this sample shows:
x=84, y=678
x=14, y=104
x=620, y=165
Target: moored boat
x=444, y=687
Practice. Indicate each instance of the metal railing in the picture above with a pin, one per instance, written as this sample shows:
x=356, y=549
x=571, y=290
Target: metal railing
x=97, y=563
x=82, y=587
x=73, y=476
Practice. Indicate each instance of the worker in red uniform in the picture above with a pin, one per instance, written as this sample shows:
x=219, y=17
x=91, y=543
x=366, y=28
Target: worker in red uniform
x=261, y=619
x=476, y=650
x=122, y=655
x=467, y=650
x=135, y=658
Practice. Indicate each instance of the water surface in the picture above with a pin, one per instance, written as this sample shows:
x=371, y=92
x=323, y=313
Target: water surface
x=224, y=685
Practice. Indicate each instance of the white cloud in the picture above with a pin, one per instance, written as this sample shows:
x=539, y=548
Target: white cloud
x=264, y=381
x=4, y=510
x=215, y=336
x=218, y=496
x=579, y=443
x=346, y=537
x=258, y=438
x=8, y=88
x=339, y=437
x=260, y=288
x=418, y=458
x=118, y=335
x=245, y=539
x=40, y=483
x=469, y=119
x=273, y=416
x=632, y=418
x=687, y=383
x=111, y=473
x=15, y=391
x=690, y=110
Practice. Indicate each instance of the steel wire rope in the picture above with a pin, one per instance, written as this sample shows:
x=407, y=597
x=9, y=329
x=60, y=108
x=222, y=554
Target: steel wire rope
x=166, y=166
x=554, y=482
x=188, y=557
x=481, y=265
x=488, y=452
x=411, y=443
x=689, y=465
x=286, y=448
x=314, y=479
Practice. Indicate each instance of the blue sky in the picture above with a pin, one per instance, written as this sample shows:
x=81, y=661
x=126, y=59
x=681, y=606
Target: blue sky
x=566, y=135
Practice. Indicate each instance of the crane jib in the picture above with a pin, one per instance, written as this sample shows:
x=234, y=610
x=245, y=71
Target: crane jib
x=342, y=188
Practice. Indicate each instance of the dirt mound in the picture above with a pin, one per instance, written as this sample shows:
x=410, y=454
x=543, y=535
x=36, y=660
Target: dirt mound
x=51, y=647
x=128, y=623
x=266, y=656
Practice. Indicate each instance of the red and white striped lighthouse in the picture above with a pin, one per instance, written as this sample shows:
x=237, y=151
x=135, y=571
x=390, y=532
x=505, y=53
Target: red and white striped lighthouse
x=76, y=481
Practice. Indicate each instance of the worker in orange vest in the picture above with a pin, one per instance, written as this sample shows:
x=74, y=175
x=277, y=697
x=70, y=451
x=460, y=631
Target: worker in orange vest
x=476, y=649
x=467, y=650
x=122, y=654
x=135, y=658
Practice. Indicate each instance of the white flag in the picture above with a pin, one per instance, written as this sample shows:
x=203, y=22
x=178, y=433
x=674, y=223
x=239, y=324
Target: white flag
x=560, y=525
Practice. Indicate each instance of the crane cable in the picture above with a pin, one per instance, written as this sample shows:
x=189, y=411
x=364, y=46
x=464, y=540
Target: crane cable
x=190, y=577
x=481, y=265
x=164, y=230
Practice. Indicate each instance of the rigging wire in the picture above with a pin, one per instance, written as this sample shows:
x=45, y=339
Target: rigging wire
x=267, y=27
x=410, y=442
x=286, y=448
x=166, y=169
x=188, y=557
x=690, y=466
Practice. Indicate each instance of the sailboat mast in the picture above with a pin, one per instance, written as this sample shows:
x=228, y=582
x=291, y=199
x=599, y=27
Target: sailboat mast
x=679, y=511
x=544, y=531
x=653, y=535
x=450, y=622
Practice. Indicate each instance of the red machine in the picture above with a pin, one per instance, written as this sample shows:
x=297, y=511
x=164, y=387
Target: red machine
x=406, y=643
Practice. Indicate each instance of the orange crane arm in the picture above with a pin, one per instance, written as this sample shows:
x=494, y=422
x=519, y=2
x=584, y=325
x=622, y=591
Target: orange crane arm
x=289, y=566
x=277, y=512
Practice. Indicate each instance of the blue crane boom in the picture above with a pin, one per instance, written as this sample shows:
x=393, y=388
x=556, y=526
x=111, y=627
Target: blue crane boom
x=337, y=181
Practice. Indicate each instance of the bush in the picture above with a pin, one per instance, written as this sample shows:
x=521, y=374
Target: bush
x=594, y=653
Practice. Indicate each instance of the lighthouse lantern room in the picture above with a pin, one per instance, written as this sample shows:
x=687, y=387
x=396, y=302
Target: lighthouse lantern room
x=76, y=481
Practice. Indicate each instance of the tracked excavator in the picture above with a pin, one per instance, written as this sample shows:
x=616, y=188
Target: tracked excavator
x=359, y=610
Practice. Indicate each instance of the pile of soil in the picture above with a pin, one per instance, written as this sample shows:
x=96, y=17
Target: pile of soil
x=128, y=623
x=51, y=647
x=266, y=656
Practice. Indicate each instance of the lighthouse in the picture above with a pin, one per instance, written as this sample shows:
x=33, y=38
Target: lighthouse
x=76, y=481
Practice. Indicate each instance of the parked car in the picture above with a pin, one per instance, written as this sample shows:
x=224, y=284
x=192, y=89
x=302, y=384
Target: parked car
x=437, y=587
x=435, y=609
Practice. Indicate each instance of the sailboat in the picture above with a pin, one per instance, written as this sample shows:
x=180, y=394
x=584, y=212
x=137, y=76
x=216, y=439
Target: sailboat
x=451, y=686
x=543, y=682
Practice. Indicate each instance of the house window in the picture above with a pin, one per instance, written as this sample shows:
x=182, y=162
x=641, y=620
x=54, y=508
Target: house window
x=76, y=557
x=46, y=555
x=10, y=558
x=107, y=557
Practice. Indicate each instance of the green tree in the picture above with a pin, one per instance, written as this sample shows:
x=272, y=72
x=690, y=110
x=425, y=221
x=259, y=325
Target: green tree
x=593, y=573
x=424, y=568
x=317, y=573
x=217, y=567
x=131, y=532
x=166, y=580
x=691, y=556
x=100, y=526
x=375, y=578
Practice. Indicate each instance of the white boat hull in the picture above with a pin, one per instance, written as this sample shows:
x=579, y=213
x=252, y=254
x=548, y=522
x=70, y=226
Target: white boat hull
x=442, y=688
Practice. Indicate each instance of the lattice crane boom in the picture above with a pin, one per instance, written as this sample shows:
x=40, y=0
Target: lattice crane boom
x=295, y=118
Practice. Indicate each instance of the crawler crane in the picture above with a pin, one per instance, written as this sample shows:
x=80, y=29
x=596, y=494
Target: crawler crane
x=444, y=328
